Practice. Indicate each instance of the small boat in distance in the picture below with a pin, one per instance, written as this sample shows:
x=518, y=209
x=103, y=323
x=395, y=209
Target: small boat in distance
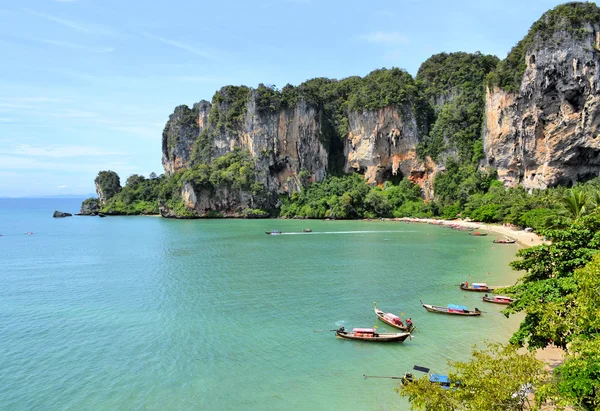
x=451, y=309
x=273, y=232
x=478, y=234
x=369, y=334
x=506, y=241
x=478, y=287
x=307, y=230
x=498, y=299
x=393, y=320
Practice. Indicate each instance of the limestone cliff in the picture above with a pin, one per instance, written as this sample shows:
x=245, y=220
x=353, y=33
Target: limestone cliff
x=287, y=143
x=382, y=145
x=534, y=117
x=546, y=132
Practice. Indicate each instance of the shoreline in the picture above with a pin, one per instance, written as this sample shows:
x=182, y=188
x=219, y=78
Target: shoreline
x=522, y=237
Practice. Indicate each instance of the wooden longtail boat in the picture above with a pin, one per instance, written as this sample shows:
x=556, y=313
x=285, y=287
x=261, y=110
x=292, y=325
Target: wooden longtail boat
x=393, y=320
x=451, y=309
x=507, y=241
x=498, y=299
x=478, y=234
x=477, y=287
x=369, y=334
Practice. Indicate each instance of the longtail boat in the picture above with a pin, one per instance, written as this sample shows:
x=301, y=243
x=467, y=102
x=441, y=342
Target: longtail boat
x=451, y=309
x=478, y=287
x=478, y=234
x=408, y=377
x=369, y=334
x=393, y=320
x=273, y=232
x=498, y=299
x=507, y=241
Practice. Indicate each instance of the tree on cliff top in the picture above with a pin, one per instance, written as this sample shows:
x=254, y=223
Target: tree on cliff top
x=109, y=184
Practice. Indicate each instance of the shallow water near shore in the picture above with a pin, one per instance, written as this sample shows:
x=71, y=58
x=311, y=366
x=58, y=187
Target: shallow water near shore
x=140, y=312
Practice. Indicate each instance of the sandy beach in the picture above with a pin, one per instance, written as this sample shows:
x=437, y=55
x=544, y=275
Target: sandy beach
x=524, y=238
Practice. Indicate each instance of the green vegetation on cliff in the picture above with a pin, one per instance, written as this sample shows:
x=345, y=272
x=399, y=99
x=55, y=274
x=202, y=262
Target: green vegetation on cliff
x=139, y=196
x=453, y=86
x=350, y=197
x=569, y=17
x=109, y=183
x=226, y=116
x=234, y=171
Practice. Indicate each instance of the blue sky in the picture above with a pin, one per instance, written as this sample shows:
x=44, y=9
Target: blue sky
x=87, y=85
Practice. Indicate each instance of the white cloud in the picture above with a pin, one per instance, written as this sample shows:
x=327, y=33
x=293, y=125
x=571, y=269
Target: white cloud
x=57, y=151
x=392, y=38
x=62, y=186
x=183, y=46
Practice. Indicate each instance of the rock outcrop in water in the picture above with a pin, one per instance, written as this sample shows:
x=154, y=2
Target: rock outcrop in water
x=60, y=214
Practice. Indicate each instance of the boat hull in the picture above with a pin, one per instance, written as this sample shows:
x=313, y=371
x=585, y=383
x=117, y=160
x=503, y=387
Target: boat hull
x=381, y=315
x=384, y=337
x=445, y=310
x=477, y=290
x=491, y=300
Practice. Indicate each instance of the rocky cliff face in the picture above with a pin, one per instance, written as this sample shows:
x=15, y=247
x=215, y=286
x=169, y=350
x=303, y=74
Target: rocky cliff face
x=540, y=126
x=285, y=143
x=382, y=145
x=548, y=132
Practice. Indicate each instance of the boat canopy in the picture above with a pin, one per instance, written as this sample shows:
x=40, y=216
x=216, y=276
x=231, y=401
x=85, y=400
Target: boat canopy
x=502, y=297
x=457, y=307
x=391, y=316
x=479, y=285
x=364, y=330
x=441, y=379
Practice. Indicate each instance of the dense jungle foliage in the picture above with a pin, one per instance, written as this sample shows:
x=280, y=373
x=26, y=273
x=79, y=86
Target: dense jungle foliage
x=453, y=86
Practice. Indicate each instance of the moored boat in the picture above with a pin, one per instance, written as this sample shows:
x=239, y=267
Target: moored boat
x=498, y=299
x=369, y=334
x=478, y=234
x=477, y=287
x=439, y=379
x=407, y=378
x=273, y=232
x=307, y=230
x=452, y=309
x=393, y=320
x=506, y=241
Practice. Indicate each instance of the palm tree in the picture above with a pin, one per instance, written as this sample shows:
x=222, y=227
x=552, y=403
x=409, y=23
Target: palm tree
x=594, y=198
x=575, y=203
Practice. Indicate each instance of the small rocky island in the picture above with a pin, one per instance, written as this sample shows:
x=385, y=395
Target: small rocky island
x=60, y=214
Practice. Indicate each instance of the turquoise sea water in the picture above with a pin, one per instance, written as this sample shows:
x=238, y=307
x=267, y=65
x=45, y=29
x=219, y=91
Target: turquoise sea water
x=149, y=313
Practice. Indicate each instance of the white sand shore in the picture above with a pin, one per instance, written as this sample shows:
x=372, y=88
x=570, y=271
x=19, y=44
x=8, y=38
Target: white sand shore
x=522, y=237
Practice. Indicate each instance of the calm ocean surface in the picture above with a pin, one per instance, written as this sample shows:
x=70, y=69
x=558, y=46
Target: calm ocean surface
x=149, y=313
